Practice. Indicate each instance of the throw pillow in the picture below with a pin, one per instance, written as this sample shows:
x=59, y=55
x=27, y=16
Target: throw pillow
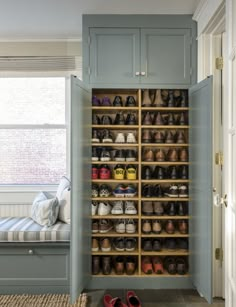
x=64, y=206
x=45, y=209
x=64, y=184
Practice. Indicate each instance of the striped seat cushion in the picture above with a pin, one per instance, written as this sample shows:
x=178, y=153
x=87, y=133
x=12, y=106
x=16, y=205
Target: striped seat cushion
x=24, y=229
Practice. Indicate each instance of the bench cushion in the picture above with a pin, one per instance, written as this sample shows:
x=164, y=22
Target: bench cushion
x=24, y=229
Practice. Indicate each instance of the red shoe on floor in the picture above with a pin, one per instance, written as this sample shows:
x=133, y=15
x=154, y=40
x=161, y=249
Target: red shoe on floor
x=132, y=299
x=109, y=301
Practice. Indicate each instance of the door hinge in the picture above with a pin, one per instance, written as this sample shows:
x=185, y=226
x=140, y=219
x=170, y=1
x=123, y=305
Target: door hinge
x=191, y=40
x=89, y=71
x=219, y=158
x=219, y=254
x=89, y=40
x=219, y=63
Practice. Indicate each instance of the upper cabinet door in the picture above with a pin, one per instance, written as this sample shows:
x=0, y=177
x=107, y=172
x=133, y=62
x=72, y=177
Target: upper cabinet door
x=166, y=56
x=114, y=55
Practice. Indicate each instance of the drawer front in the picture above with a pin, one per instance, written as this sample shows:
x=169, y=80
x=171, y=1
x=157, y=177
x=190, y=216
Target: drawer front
x=32, y=266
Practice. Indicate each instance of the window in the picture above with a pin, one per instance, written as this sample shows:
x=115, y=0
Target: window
x=32, y=130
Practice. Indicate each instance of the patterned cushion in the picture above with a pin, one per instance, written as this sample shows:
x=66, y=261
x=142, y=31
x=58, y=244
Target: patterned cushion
x=24, y=229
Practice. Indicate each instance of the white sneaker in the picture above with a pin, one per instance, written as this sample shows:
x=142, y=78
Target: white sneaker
x=130, y=207
x=131, y=138
x=104, y=208
x=94, y=207
x=130, y=226
x=120, y=226
x=118, y=207
x=120, y=138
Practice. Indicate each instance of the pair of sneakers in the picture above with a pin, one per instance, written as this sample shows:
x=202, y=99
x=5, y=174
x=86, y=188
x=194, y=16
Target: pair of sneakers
x=128, y=138
x=102, y=208
x=125, y=226
x=123, y=208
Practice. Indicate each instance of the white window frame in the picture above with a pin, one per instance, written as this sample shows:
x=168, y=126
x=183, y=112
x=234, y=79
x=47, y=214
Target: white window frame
x=28, y=188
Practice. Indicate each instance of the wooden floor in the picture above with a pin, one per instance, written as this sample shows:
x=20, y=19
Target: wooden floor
x=156, y=298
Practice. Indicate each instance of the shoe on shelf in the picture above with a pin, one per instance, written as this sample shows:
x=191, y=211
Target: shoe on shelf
x=130, y=190
x=171, y=102
x=158, y=119
x=95, y=265
x=95, y=156
x=180, y=139
x=171, y=209
x=117, y=207
x=183, y=190
x=105, y=244
x=120, y=226
x=119, y=119
x=106, y=265
x=130, y=155
x=170, y=265
x=95, y=136
x=119, y=244
x=156, y=226
x=119, y=155
x=170, y=227
x=120, y=138
x=146, y=172
x=147, y=190
x=169, y=138
x=95, y=245
x=146, y=100
x=173, y=172
x=119, y=172
x=130, y=139
x=146, y=136
x=147, y=208
x=177, y=97
x=109, y=301
x=132, y=299
x=184, y=102
x=172, y=155
x=104, y=190
x=95, y=190
x=130, y=244
x=183, y=226
x=95, y=172
x=158, y=101
x=181, y=209
x=147, y=244
x=104, y=208
x=158, y=137
x=172, y=191
x=183, y=172
x=130, y=101
x=95, y=119
x=157, y=190
x=157, y=265
x=146, y=265
x=104, y=172
x=181, y=266
x=148, y=155
x=95, y=101
x=95, y=226
x=130, y=119
x=160, y=155
x=106, y=120
x=183, y=155
x=130, y=226
x=94, y=207
x=156, y=245
x=119, y=265
x=131, y=172
x=106, y=102
x=120, y=190
x=130, y=207
x=107, y=136
x=171, y=119
x=104, y=226
x=117, y=102
x=147, y=119
x=105, y=155
x=182, y=244
x=159, y=173
x=158, y=208
x=130, y=265
x=146, y=227
x=165, y=96
x=170, y=244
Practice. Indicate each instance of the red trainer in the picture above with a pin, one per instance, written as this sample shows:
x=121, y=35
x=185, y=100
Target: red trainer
x=132, y=299
x=108, y=301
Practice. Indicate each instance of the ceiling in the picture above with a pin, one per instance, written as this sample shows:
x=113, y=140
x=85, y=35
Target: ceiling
x=62, y=19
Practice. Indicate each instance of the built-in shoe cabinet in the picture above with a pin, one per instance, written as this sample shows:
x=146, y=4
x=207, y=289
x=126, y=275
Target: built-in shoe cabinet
x=140, y=182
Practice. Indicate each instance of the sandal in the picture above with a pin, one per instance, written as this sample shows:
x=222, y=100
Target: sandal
x=170, y=265
x=181, y=266
x=157, y=265
x=146, y=265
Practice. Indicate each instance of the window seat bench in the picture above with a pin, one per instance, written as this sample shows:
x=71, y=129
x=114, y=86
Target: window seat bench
x=34, y=258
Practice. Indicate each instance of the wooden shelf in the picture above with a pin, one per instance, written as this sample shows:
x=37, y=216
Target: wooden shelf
x=110, y=108
x=115, y=144
x=116, y=127
x=165, y=109
x=165, y=252
x=165, y=199
x=166, y=126
x=115, y=198
x=163, y=234
x=163, y=275
x=116, y=253
x=115, y=217
x=115, y=180
x=114, y=162
x=113, y=274
x=164, y=145
x=166, y=181
x=165, y=217
x=165, y=163
x=114, y=234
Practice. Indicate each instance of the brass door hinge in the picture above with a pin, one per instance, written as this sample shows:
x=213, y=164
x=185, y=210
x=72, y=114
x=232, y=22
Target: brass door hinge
x=219, y=158
x=219, y=255
x=219, y=63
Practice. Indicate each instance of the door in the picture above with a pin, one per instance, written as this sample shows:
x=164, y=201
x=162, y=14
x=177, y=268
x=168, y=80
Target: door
x=114, y=56
x=80, y=188
x=165, y=56
x=200, y=97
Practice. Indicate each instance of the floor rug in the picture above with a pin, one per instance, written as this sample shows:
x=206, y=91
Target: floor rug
x=45, y=300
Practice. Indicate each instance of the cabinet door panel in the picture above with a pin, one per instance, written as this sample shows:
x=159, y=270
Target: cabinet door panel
x=165, y=56
x=114, y=55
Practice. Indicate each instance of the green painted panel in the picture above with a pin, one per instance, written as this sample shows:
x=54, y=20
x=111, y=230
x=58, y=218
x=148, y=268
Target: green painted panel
x=114, y=55
x=201, y=188
x=165, y=56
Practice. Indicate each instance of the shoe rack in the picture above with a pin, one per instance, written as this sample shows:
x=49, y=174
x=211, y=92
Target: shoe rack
x=171, y=259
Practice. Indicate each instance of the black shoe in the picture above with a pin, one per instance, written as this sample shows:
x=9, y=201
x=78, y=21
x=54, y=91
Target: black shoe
x=182, y=210
x=172, y=172
x=159, y=173
x=157, y=191
x=95, y=136
x=130, y=101
x=95, y=156
x=183, y=172
x=146, y=172
x=182, y=119
x=107, y=136
x=171, y=103
x=182, y=244
x=105, y=155
x=106, y=120
x=147, y=190
x=170, y=244
x=171, y=119
x=156, y=245
x=171, y=209
x=147, y=245
x=119, y=119
x=130, y=155
x=117, y=102
x=95, y=190
x=119, y=155
x=95, y=119
x=130, y=119
x=184, y=102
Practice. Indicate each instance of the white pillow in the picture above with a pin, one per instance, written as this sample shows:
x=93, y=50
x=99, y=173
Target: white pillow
x=63, y=195
x=45, y=209
x=64, y=206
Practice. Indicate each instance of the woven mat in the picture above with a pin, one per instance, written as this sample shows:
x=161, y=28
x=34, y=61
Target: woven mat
x=46, y=300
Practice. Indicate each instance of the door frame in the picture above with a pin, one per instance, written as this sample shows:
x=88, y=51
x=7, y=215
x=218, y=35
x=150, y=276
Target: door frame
x=211, y=18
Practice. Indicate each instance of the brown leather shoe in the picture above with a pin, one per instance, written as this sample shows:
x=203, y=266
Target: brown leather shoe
x=148, y=155
x=146, y=101
x=180, y=138
x=158, y=119
x=160, y=155
x=146, y=136
x=170, y=227
x=172, y=155
x=169, y=138
x=147, y=119
x=183, y=226
x=158, y=101
x=158, y=208
x=156, y=226
x=146, y=227
x=170, y=119
x=119, y=265
x=183, y=155
x=130, y=265
x=95, y=265
x=147, y=208
x=106, y=265
x=158, y=137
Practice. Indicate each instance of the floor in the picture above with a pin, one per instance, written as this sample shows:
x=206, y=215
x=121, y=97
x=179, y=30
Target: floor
x=156, y=298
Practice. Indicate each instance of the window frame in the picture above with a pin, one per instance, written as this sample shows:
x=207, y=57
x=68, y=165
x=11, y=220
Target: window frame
x=28, y=188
